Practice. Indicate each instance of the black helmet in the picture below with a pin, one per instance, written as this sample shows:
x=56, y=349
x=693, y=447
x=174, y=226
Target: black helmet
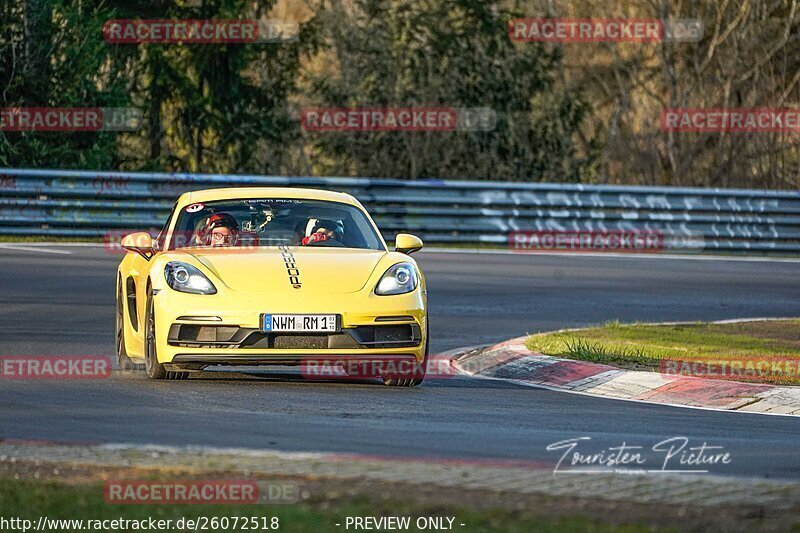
x=335, y=226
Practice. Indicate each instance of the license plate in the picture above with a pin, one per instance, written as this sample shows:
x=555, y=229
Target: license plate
x=282, y=323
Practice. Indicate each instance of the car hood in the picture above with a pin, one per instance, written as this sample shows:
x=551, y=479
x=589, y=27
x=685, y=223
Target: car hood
x=292, y=270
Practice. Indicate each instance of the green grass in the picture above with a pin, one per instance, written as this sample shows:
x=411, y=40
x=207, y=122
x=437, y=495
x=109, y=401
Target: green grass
x=643, y=347
x=30, y=500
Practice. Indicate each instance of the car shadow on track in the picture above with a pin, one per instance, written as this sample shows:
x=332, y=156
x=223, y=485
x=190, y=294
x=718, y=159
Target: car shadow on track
x=290, y=375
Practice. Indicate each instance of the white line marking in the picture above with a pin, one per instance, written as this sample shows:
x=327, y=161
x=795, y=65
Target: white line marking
x=56, y=243
x=626, y=471
x=4, y=246
x=433, y=249
x=523, y=338
x=692, y=257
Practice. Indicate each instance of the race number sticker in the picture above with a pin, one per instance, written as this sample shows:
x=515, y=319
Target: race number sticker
x=194, y=208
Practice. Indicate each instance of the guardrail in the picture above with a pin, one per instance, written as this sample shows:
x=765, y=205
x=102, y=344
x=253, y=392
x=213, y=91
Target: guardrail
x=90, y=204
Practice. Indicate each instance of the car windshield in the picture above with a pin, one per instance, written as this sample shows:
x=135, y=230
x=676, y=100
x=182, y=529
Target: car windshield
x=274, y=222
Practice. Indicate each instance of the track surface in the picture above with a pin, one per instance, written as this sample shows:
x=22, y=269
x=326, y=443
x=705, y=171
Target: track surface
x=63, y=304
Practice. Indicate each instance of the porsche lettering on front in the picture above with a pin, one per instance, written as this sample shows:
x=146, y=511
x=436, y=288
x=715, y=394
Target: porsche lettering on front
x=291, y=266
x=270, y=276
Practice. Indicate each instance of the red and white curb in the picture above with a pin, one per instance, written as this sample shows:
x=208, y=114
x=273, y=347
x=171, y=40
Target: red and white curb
x=512, y=361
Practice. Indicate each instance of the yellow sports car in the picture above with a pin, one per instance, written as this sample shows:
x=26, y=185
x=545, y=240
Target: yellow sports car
x=271, y=276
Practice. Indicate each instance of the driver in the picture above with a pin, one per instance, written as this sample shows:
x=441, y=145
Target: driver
x=220, y=229
x=325, y=232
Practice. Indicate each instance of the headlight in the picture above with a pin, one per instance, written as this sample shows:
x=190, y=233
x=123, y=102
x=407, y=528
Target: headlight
x=185, y=278
x=399, y=279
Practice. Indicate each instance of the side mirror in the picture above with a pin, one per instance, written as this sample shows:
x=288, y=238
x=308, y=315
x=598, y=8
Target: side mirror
x=140, y=242
x=407, y=243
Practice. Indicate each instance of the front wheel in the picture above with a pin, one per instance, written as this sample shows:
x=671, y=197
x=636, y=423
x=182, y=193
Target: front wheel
x=155, y=370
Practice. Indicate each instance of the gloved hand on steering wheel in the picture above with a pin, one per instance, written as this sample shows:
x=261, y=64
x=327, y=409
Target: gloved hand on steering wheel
x=325, y=231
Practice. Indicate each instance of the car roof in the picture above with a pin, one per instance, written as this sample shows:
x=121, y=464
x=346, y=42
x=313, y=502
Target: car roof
x=235, y=193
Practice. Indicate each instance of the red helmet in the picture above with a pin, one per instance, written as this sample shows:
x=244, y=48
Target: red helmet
x=218, y=220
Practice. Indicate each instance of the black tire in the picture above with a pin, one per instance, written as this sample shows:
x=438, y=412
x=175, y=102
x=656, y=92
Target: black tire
x=415, y=378
x=155, y=370
x=123, y=361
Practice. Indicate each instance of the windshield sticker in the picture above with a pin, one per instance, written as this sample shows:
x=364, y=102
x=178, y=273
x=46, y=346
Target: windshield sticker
x=259, y=201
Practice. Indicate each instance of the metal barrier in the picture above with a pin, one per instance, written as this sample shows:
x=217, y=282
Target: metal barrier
x=90, y=204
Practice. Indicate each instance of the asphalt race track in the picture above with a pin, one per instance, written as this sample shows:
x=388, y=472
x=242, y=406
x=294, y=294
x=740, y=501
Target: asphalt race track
x=63, y=303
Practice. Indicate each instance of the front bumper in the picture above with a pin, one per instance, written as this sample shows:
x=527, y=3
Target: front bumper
x=379, y=335
x=198, y=330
